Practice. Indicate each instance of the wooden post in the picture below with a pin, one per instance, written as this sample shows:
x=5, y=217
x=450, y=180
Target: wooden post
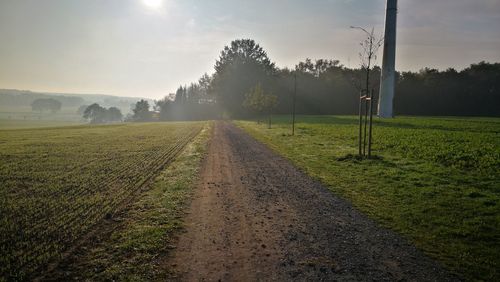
x=370, y=129
x=366, y=122
x=360, y=121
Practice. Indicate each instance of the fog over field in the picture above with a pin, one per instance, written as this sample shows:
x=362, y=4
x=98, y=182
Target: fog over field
x=135, y=48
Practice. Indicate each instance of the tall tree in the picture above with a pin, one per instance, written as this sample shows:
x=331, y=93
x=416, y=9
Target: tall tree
x=240, y=66
x=181, y=95
x=141, y=111
x=95, y=113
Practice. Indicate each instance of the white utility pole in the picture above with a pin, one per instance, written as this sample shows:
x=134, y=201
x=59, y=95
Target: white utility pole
x=388, y=76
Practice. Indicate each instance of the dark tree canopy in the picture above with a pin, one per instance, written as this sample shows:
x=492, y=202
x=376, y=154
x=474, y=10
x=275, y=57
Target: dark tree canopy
x=181, y=95
x=474, y=91
x=114, y=114
x=243, y=51
x=325, y=86
x=189, y=103
x=94, y=113
x=97, y=114
x=141, y=111
x=241, y=65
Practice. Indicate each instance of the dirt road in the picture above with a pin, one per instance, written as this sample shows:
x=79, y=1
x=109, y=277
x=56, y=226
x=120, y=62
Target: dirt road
x=256, y=217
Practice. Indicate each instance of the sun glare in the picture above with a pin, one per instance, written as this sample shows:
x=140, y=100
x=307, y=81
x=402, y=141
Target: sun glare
x=153, y=4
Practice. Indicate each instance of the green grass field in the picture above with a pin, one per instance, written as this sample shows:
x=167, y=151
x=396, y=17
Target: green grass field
x=143, y=234
x=435, y=180
x=56, y=183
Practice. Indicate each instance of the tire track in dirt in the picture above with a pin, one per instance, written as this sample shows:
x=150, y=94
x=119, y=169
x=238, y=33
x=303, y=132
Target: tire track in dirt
x=256, y=217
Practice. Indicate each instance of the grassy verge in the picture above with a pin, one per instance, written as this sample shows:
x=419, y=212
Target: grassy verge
x=136, y=248
x=436, y=180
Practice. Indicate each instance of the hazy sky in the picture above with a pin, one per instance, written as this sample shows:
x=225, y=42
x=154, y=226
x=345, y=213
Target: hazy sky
x=149, y=47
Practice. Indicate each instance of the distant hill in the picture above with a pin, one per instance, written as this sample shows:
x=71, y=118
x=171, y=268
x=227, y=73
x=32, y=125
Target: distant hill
x=12, y=100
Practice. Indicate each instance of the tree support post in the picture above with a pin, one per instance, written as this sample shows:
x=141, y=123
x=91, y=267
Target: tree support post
x=360, y=122
x=367, y=99
x=366, y=125
x=370, y=128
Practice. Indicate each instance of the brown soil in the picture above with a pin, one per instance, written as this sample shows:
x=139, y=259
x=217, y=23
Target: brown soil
x=257, y=217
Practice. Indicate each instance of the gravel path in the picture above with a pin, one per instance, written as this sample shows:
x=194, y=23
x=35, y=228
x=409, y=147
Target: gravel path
x=255, y=217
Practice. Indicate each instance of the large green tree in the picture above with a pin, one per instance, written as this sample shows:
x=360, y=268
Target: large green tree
x=141, y=111
x=95, y=113
x=240, y=66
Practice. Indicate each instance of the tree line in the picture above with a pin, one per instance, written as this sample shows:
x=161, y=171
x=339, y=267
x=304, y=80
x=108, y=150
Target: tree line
x=46, y=104
x=326, y=87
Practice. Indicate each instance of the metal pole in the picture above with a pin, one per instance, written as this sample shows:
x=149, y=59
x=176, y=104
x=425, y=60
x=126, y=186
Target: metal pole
x=370, y=129
x=293, y=106
x=388, y=77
